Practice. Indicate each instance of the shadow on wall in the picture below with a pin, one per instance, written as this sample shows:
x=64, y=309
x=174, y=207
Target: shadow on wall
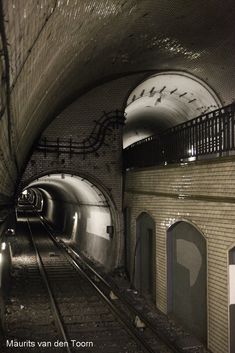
x=187, y=277
x=145, y=261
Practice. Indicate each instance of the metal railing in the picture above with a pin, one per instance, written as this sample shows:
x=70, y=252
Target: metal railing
x=209, y=134
x=102, y=127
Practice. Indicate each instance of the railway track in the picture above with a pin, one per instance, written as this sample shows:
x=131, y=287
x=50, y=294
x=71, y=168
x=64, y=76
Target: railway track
x=87, y=314
x=112, y=291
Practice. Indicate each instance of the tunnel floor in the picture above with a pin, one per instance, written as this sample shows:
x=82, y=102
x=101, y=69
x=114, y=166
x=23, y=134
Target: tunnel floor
x=29, y=317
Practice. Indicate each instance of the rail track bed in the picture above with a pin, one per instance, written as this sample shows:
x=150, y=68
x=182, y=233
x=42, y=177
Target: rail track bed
x=57, y=299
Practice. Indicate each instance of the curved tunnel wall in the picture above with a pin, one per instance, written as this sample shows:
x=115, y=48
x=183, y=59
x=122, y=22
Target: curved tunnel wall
x=81, y=214
x=164, y=100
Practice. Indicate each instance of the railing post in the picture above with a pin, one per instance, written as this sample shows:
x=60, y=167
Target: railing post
x=232, y=130
x=196, y=139
x=213, y=134
x=220, y=138
x=216, y=134
x=228, y=132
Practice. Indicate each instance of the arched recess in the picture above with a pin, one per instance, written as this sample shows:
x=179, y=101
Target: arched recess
x=145, y=258
x=163, y=100
x=127, y=238
x=187, y=277
x=232, y=299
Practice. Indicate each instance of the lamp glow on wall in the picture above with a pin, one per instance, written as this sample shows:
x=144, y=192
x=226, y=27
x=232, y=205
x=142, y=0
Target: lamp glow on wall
x=1, y=260
x=75, y=225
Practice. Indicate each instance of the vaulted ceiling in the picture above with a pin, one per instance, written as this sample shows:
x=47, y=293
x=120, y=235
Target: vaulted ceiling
x=55, y=50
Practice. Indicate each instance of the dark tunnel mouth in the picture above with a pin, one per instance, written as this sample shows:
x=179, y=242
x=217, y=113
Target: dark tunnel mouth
x=96, y=213
x=89, y=178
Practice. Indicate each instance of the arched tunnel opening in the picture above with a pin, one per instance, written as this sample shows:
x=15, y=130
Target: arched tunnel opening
x=80, y=212
x=163, y=100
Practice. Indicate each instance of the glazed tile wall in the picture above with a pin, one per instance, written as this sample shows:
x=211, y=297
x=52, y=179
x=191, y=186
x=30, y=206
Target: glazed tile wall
x=209, y=204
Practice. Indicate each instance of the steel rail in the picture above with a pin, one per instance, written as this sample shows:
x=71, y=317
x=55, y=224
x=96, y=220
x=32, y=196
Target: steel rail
x=55, y=310
x=123, y=300
x=129, y=327
x=117, y=313
x=142, y=317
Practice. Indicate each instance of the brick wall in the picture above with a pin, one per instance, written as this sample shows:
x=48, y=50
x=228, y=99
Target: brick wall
x=77, y=122
x=103, y=167
x=203, y=194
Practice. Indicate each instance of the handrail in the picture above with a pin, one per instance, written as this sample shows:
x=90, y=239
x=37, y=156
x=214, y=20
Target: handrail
x=188, y=123
x=207, y=134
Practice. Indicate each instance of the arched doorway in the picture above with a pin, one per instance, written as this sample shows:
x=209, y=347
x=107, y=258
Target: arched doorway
x=232, y=298
x=145, y=268
x=187, y=277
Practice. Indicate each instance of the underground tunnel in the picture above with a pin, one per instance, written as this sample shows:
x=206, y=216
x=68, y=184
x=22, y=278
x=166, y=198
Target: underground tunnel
x=80, y=212
x=117, y=192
